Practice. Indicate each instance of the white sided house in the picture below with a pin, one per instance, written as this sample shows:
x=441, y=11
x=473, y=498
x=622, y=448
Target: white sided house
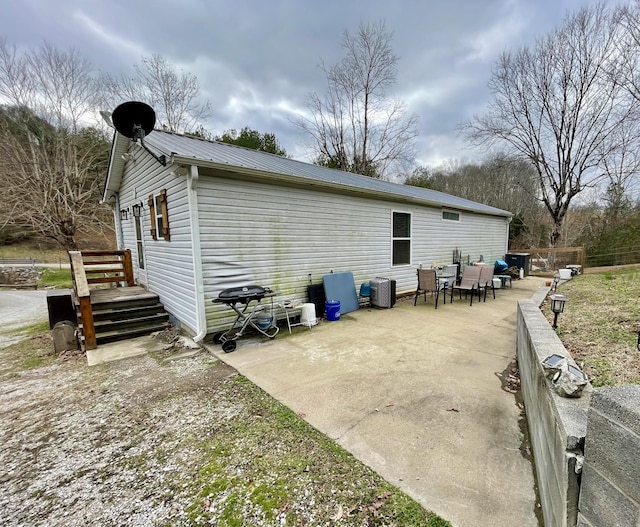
x=221, y=216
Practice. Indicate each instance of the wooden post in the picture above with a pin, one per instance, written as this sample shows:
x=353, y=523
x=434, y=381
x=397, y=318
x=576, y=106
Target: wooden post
x=84, y=299
x=88, y=329
x=128, y=267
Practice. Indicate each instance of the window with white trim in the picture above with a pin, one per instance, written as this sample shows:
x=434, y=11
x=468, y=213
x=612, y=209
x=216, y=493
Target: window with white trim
x=401, y=238
x=450, y=215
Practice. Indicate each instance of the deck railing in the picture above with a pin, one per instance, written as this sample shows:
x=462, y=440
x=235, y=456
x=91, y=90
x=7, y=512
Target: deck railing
x=97, y=267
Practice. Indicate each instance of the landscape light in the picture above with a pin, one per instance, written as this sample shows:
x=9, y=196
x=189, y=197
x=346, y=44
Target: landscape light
x=557, y=306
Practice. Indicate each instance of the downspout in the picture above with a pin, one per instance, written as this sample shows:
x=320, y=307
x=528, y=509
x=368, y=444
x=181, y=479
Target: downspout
x=196, y=255
x=509, y=219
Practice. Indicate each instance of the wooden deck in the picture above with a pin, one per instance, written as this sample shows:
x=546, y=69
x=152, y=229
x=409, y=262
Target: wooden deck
x=112, y=313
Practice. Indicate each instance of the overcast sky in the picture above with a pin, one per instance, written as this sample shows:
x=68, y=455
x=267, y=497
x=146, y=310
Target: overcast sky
x=256, y=60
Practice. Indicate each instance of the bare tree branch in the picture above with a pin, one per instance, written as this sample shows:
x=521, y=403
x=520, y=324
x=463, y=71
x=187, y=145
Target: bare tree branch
x=354, y=126
x=173, y=96
x=555, y=105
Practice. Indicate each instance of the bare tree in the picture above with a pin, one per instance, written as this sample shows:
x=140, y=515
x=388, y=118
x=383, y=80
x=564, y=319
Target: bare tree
x=51, y=177
x=355, y=126
x=555, y=105
x=626, y=71
x=174, y=97
x=499, y=181
x=16, y=81
x=620, y=166
x=51, y=164
x=59, y=86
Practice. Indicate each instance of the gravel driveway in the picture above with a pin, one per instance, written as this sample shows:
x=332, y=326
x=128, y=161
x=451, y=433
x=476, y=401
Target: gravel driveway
x=20, y=308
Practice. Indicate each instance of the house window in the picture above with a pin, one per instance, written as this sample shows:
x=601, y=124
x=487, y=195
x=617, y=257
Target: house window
x=401, y=238
x=450, y=215
x=159, y=215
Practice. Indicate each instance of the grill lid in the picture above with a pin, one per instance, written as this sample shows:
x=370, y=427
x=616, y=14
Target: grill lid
x=248, y=292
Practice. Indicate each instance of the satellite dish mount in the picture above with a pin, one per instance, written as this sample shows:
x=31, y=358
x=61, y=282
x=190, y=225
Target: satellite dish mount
x=136, y=120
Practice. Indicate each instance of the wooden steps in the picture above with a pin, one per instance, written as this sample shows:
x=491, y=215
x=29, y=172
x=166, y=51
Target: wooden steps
x=125, y=312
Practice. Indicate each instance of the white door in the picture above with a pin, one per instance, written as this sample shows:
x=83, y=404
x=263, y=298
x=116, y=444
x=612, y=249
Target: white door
x=141, y=274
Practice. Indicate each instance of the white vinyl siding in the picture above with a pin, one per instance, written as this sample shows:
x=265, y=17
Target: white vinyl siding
x=169, y=264
x=281, y=237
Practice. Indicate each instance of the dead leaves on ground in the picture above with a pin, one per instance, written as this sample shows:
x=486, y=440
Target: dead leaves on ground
x=371, y=508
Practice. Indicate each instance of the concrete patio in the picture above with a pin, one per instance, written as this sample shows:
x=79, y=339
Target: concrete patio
x=415, y=393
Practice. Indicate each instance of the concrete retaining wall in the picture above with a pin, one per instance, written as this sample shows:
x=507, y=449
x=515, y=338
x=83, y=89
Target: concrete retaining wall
x=557, y=425
x=610, y=489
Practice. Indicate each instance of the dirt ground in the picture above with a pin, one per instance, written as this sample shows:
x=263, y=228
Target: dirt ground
x=74, y=440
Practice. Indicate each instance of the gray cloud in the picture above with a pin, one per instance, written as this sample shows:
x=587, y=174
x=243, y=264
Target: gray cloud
x=257, y=61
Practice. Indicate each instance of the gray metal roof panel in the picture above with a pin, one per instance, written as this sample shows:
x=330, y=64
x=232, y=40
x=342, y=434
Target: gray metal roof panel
x=239, y=157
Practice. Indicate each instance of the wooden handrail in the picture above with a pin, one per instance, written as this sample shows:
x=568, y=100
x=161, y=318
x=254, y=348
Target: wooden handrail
x=116, y=270
x=81, y=287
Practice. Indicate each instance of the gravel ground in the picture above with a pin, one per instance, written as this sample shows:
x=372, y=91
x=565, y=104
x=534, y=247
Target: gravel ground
x=74, y=440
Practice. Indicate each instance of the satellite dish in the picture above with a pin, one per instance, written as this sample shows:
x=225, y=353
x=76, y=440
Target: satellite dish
x=135, y=120
x=132, y=117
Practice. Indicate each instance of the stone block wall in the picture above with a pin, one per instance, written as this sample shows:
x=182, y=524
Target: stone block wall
x=557, y=425
x=610, y=490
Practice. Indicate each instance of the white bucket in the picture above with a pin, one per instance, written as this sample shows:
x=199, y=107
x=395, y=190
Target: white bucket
x=497, y=283
x=565, y=274
x=308, y=315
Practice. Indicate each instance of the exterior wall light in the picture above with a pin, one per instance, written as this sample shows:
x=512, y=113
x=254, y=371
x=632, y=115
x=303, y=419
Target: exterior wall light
x=124, y=214
x=137, y=209
x=557, y=306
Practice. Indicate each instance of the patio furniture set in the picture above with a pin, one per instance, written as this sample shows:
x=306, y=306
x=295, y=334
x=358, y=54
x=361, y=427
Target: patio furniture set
x=476, y=280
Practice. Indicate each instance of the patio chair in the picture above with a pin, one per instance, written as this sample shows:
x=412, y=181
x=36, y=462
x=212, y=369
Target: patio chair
x=469, y=283
x=427, y=283
x=486, y=281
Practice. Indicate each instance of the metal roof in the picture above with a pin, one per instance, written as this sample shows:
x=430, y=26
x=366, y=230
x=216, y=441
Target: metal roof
x=181, y=148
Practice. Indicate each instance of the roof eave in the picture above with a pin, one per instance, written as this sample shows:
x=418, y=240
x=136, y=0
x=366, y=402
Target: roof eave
x=115, y=171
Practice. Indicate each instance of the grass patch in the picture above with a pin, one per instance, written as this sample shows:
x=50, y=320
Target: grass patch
x=57, y=278
x=32, y=330
x=600, y=324
x=32, y=251
x=32, y=352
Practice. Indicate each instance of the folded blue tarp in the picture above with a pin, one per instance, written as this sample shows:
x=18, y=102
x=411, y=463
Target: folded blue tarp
x=500, y=267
